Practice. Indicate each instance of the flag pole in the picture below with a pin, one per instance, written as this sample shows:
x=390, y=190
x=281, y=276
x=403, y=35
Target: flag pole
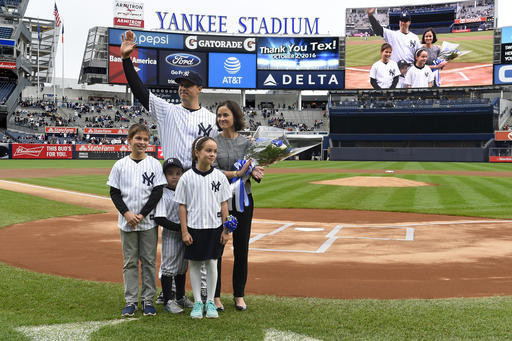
x=62, y=61
x=38, y=48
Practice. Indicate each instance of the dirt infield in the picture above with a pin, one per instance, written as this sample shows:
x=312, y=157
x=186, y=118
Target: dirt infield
x=321, y=253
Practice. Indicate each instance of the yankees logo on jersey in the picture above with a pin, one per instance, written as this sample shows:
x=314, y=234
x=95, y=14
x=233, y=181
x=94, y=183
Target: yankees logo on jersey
x=148, y=179
x=392, y=73
x=215, y=186
x=204, y=131
x=426, y=74
x=412, y=44
x=202, y=194
x=178, y=127
x=126, y=176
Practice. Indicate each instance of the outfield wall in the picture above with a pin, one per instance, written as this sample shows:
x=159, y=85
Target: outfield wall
x=409, y=154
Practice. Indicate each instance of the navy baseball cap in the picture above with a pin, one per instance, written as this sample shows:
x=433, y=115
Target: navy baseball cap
x=172, y=162
x=190, y=76
x=405, y=16
x=402, y=63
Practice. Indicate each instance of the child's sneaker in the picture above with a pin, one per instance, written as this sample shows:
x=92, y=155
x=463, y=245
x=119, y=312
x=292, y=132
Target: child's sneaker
x=211, y=310
x=129, y=310
x=197, y=311
x=160, y=298
x=173, y=307
x=184, y=302
x=148, y=309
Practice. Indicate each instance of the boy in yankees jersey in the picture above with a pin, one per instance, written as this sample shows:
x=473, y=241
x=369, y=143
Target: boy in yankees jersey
x=403, y=41
x=173, y=265
x=136, y=184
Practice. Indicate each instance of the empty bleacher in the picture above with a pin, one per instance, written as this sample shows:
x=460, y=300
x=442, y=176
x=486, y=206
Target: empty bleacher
x=6, y=32
x=6, y=89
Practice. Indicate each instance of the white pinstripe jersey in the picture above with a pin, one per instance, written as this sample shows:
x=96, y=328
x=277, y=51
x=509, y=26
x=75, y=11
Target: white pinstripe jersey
x=136, y=180
x=203, y=193
x=167, y=207
x=179, y=127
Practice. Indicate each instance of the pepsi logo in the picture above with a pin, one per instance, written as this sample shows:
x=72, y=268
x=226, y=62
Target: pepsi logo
x=232, y=65
x=183, y=60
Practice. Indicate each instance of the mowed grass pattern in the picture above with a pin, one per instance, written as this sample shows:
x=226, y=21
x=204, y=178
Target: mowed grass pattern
x=479, y=196
x=368, y=53
x=32, y=299
x=36, y=299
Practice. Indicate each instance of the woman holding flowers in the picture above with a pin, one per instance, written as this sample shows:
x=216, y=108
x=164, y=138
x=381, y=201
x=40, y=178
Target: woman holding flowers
x=232, y=147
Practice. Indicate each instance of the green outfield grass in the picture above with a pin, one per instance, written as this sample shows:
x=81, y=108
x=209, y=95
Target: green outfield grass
x=36, y=299
x=368, y=53
x=479, y=196
x=17, y=208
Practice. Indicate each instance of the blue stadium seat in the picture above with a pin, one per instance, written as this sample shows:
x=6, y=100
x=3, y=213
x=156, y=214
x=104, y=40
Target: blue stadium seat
x=6, y=32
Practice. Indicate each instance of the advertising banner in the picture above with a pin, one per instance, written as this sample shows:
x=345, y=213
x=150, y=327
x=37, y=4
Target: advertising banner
x=503, y=135
x=60, y=130
x=502, y=74
x=128, y=14
x=105, y=131
x=109, y=148
x=297, y=53
x=8, y=65
x=147, y=39
x=506, y=53
x=145, y=62
x=220, y=43
x=42, y=151
x=303, y=80
x=500, y=158
x=232, y=70
x=174, y=64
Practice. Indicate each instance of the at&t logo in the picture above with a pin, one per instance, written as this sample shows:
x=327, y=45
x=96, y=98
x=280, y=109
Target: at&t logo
x=232, y=66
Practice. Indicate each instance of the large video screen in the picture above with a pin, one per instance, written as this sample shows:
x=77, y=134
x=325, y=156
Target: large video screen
x=296, y=53
x=438, y=45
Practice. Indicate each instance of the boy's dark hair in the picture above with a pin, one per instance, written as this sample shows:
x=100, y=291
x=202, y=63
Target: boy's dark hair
x=238, y=115
x=198, y=145
x=137, y=128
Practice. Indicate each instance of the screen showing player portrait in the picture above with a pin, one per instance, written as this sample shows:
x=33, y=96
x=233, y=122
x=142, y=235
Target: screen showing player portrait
x=434, y=45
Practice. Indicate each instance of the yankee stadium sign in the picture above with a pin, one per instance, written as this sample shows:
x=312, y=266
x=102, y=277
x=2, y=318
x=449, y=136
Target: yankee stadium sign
x=207, y=23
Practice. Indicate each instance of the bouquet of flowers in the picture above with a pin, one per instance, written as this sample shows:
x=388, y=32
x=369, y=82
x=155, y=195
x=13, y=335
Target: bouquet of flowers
x=230, y=224
x=270, y=146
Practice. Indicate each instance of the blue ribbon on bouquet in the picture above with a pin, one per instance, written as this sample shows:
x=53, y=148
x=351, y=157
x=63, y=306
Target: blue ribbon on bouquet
x=237, y=185
x=437, y=77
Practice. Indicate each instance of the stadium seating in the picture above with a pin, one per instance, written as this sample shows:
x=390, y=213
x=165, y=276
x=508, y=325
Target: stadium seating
x=6, y=32
x=6, y=89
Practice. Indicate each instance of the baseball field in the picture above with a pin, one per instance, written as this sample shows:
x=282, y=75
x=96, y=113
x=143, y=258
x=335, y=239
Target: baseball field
x=339, y=250
x=472, y=68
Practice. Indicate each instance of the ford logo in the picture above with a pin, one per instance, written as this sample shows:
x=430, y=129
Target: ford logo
x=182, y=60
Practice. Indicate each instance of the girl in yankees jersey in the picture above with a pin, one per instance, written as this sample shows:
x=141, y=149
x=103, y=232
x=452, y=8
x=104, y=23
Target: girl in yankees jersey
x=384, y=73
x=203, y=193
x=419, y=75
x=136, y=184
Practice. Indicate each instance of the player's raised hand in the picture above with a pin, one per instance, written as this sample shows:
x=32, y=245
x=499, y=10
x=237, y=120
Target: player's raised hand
x=370, y=11
x=187, y=238
x=128, y=44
